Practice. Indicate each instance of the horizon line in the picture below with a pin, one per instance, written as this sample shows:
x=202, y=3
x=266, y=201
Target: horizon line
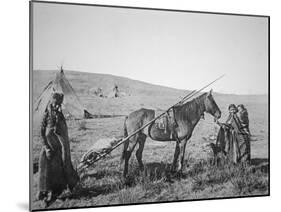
x=243, y=94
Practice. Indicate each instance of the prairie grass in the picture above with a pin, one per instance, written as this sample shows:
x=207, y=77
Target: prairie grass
x=103, y=184
x=243, y=178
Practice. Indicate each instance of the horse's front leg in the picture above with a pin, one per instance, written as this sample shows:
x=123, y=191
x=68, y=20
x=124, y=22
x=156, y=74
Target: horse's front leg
x=176, y=156
x=181, y=154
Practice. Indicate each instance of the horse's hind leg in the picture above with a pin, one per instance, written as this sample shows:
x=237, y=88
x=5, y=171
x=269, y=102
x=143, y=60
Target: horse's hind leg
x=126, y=158
x=141, y=141
x=128, y=152
x=123, y=154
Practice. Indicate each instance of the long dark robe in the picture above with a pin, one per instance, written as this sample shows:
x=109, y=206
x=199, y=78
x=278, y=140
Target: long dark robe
x=55, y=173
x=234, y=141
x=244, y=120
x=51, y=171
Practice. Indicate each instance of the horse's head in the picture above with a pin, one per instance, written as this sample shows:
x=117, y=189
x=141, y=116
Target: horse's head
x=211, y=106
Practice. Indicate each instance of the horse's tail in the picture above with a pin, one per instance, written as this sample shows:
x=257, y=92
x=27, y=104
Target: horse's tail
x=125, y=134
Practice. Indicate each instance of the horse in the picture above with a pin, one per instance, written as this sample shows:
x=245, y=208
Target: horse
x=186, y=117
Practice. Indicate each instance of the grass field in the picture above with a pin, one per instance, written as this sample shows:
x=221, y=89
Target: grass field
x=103, y=184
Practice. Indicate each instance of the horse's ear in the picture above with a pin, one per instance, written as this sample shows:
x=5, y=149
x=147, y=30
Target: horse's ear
x=210, y=92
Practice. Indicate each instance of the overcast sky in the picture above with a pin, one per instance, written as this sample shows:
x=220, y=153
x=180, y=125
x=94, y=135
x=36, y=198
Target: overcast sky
x=175, y=49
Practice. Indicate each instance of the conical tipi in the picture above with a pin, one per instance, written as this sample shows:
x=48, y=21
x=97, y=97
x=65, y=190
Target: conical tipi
x=71, y=103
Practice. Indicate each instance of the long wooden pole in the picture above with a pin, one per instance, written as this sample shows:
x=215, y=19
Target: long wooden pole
x=188, y=96
x=122, y=140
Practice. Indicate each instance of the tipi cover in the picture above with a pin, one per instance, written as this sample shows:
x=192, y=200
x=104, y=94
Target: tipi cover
x=71, y=102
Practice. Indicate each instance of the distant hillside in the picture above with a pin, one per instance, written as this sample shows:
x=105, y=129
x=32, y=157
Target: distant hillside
x=139, y=94
x=82, y=82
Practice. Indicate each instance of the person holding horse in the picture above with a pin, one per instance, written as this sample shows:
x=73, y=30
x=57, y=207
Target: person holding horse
x=56, y=172
x=233, y=139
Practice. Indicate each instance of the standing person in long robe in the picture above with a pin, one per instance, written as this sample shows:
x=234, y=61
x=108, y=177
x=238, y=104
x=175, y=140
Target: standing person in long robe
x=243, y=117
x=232, y=139
x=56, y=172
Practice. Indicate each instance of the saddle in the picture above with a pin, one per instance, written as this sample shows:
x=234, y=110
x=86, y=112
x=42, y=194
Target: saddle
x=167, y=122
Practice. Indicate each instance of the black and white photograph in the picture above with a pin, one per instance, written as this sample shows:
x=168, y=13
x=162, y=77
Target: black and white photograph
x=142, y=105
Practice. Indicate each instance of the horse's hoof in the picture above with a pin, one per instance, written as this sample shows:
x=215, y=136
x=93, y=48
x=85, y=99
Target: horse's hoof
x=168, y=178
x=126, y=181
x=177, y=174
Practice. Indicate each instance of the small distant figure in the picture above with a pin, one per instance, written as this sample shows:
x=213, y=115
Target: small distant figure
x=233, y=139
x=56, y=172
x=116, y=91
x=99, y=92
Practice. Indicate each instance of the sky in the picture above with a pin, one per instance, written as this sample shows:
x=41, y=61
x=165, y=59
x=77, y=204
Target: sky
x=176, y=49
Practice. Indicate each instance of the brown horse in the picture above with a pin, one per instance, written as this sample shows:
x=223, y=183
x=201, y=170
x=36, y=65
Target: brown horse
x=185, y=117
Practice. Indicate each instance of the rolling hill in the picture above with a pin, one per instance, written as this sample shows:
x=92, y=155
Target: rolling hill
x=138, y=93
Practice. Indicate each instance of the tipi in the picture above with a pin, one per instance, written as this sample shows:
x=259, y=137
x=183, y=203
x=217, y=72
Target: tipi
x=116, y=92
x=71, y=103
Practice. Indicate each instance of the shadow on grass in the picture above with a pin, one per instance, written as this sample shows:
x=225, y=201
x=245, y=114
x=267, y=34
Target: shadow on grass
x=101, y=174
x=261, y=164
x=259, y=161
x=158, y=171
x=92, y=191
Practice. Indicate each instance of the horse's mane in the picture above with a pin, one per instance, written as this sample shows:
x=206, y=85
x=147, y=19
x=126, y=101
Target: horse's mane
x=194, y=104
